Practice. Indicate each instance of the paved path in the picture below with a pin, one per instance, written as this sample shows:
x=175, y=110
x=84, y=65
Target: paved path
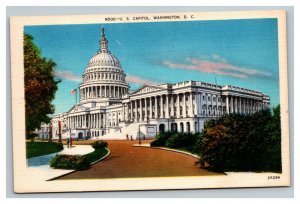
x=44, y=160
x=77, y=149
x=40, y=168
x=127, y=161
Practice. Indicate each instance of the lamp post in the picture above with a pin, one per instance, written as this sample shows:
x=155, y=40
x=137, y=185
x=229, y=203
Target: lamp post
x=139, y=134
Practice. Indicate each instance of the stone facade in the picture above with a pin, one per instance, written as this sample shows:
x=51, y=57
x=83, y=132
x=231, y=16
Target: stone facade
x=108, y=110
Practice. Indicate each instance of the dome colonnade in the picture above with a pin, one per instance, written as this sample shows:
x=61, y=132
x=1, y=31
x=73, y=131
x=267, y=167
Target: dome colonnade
x=104, y=76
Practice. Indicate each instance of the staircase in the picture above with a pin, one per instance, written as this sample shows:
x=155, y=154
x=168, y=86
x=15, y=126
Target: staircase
x=131, y=130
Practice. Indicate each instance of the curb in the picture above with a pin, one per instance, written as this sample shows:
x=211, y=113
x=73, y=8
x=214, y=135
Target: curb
x=169, y=149
x=108, y=153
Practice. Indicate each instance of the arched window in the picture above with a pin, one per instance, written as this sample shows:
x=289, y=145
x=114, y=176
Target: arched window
x=181, y=127
x=188, y=127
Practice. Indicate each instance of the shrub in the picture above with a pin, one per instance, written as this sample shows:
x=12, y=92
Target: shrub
x=99, y=144
x=161, y=139
x=182, y=139
x=60, y=145
x=242, y=143
x=70, y=162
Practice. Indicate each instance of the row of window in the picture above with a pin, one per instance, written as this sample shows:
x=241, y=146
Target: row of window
x=103, y=76
x=103, y=69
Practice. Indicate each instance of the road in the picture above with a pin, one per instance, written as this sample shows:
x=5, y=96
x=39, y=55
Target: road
x=126, y=161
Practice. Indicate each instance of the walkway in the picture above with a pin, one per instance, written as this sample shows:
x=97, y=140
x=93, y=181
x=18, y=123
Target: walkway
x=40, y=168
x=44, y=160
x=127, y=161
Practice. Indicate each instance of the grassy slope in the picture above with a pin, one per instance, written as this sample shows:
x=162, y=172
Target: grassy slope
x=34, y=149
x=96, y=155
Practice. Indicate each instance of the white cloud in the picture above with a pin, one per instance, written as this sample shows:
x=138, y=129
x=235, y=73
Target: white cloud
x=67, y=75
x=139, y=80
x=218, y=66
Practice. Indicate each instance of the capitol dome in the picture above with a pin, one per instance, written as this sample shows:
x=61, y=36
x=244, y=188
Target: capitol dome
x=103, y=76
x=104, y=59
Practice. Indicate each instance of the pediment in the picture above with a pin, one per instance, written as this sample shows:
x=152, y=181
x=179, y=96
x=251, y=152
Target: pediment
x=147, y=89
x=77, y=108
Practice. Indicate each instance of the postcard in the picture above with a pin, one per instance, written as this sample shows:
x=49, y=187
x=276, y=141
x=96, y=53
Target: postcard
x=150, y=101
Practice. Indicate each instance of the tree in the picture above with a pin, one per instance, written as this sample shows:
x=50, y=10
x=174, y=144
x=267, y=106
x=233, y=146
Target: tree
x=237, y=142
x=40, y=85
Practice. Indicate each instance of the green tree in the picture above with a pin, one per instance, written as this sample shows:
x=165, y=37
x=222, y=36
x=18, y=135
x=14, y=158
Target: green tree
x=40, y=85
x=242, y=142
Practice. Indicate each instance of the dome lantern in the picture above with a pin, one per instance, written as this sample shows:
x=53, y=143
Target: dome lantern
x=103, y=42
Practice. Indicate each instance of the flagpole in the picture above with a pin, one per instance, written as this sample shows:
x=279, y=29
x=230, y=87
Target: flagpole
x=76, y=96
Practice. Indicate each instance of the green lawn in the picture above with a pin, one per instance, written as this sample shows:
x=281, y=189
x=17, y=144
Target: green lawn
x=34, y=149
x=96, y=155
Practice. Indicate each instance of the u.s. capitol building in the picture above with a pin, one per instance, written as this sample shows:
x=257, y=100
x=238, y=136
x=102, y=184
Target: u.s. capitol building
x=107, y=109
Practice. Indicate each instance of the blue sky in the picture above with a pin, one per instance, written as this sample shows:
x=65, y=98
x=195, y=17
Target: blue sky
x=237, y=52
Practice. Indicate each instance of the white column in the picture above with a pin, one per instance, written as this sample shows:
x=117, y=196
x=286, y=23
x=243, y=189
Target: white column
x=155, y=105
x=167, y=106
x=161, y=106
x=235, y=104
x=151, y=108
x=131, y=110
x=227, y=104
x=231, y=104
x=212, y=104
x=97, y=120
x=178, y=106
x=83, y=120
x=136, y=111
x=141, y=110
x=90, y=120
x=200, y=104
x=196, y=104
x=191, y=109
x=207, y=113
x=240, y=105
x=172, y=105
x=184, y=105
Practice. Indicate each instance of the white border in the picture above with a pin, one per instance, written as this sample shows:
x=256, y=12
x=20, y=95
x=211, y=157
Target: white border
x=233, y=180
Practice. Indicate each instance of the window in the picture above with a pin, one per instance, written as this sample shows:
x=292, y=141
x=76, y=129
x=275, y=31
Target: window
x=214, y=99
x=204, y=97
x=209, y=98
